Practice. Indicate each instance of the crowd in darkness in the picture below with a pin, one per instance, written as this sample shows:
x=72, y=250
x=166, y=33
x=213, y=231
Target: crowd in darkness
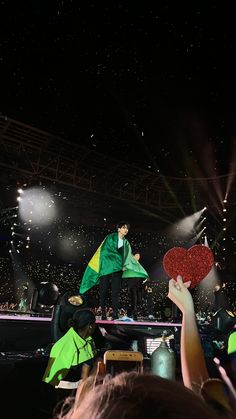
x=35, y=266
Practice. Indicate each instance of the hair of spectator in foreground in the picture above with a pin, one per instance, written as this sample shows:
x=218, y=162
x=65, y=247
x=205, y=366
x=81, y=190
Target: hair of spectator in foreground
x=131, y=395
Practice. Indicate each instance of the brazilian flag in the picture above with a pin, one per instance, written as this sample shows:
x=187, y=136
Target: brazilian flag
x=107, y=259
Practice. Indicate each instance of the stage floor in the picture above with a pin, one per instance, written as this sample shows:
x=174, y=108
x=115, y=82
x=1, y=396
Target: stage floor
x=29, y=332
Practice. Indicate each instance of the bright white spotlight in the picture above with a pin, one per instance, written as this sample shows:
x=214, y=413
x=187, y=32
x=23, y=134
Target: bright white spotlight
x=224, y=209
x=38, y=206
x=187, y=226
x=225, y=201
x=20, y=190
x=206, y=241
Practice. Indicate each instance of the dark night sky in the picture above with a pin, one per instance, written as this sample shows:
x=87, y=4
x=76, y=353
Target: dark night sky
x=117, y=76
x=152, y=86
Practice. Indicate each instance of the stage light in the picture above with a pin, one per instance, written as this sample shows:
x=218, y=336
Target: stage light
x=224, y=209
x=44, y=297
x=223, y=320
x=37, y=206
x=20, y=191
x=225, y=201
x=224, y=228
x=18, y=199
x=48, y=293
x=224, y=219
x=187, y=226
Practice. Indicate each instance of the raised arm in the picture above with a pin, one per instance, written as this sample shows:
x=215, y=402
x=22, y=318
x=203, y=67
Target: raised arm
x=193, y=365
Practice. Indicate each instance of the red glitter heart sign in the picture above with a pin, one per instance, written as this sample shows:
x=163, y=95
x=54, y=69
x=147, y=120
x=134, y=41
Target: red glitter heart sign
x=192, y=264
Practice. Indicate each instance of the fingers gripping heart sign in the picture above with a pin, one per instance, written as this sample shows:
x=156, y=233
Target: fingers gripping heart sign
x=192, y=264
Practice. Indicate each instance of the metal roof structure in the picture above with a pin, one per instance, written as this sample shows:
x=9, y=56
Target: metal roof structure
x=37, y=155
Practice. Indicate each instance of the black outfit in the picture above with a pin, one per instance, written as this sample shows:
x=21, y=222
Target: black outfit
x=113, y=280
x=133, y=290
x=150, y=305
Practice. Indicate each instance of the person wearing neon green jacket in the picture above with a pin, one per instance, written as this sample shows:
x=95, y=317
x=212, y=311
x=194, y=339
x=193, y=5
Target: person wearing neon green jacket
x=72, y=356
x=231, y=347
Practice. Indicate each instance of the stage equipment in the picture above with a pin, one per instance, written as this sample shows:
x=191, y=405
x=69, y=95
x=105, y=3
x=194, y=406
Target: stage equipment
x=224, y=320
x=44, y=297
x=63, y=311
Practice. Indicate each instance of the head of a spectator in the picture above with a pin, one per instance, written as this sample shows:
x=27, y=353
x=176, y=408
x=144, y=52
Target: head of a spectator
x=83, y=322
x=131, y=395
x=136, y=255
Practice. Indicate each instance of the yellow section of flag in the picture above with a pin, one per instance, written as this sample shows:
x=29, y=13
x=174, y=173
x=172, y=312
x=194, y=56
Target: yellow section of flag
x=94, y=263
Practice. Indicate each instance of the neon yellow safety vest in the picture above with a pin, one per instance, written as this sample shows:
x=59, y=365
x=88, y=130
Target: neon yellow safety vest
x=70, y=350
x=231, y=343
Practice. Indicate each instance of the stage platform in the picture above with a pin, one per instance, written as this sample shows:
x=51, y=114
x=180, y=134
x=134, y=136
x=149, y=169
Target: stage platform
x=26, y=332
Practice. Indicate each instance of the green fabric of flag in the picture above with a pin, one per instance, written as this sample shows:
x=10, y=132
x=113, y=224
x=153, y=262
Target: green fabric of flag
x=70, y=350
x=132, y=268
x=108, y=259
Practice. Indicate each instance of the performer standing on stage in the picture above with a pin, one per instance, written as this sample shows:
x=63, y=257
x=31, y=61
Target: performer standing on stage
x=134, y=284
x=112, y=258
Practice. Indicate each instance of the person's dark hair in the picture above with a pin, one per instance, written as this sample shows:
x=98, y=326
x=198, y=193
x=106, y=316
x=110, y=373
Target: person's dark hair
x=123, y=223
x=131, y=395
x=82, y=318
